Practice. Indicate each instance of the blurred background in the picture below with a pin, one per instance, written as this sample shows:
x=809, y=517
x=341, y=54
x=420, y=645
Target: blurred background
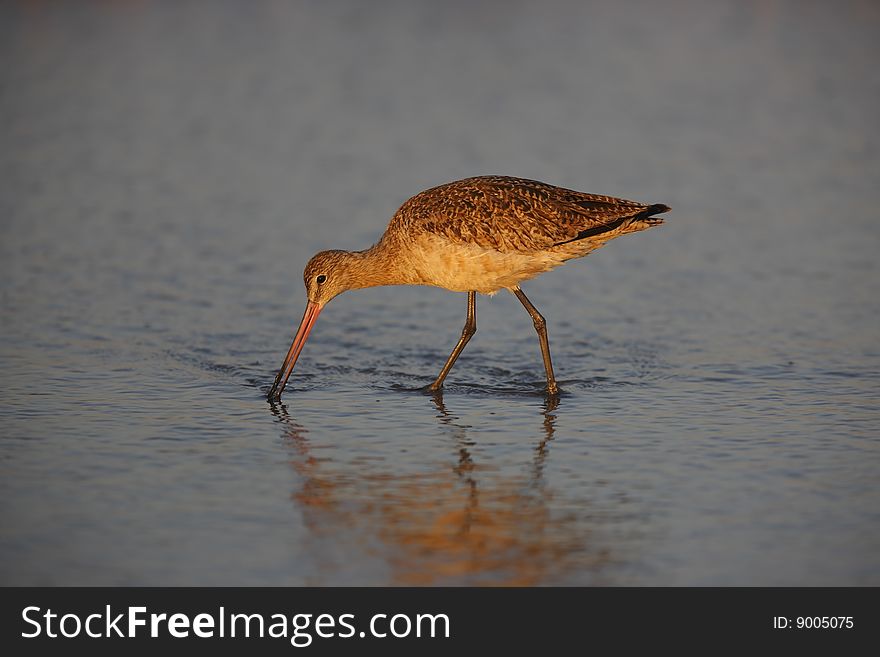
x=167, y=169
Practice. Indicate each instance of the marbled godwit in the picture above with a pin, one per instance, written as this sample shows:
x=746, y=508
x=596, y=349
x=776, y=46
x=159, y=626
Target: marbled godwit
x=480, y=234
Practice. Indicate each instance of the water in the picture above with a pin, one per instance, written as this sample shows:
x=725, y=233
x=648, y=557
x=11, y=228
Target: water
x=167, y=170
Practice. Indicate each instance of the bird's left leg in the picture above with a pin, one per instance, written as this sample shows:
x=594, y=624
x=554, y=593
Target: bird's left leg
x=541, y=328
x=470, y=327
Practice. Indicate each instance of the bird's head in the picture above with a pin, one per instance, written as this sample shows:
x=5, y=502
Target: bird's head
x=329, y=274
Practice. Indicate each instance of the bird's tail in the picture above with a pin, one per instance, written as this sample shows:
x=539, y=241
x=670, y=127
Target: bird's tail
x=621, y=226
x=646, y=217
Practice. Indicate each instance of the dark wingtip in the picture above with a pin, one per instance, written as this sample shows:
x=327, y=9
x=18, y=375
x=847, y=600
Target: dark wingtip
x=657, y=208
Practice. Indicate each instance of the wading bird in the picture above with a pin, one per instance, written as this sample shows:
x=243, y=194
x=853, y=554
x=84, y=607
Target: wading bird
x=474, y=235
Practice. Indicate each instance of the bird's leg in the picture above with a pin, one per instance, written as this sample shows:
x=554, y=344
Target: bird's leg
x=470, y=327
x=541, y=328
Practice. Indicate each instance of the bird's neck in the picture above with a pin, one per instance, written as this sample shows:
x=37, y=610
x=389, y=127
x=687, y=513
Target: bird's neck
x=384, y=263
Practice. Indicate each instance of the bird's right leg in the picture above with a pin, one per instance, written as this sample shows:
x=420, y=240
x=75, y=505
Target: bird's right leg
x=541, y=328
x=470, y=327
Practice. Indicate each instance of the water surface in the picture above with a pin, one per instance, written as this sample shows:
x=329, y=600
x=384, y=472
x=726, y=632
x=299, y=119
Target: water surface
x=168, y=169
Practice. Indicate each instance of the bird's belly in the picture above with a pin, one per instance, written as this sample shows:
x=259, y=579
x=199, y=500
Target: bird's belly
x=463, y=267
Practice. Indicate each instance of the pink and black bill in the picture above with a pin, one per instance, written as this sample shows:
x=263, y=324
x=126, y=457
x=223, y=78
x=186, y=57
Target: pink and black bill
x=302, y=334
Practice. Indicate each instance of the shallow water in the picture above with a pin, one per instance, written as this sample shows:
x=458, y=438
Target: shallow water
x=167, y=171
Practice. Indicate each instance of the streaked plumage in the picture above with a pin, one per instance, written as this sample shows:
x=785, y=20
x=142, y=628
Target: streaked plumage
x=479, y=234
x=511, y=214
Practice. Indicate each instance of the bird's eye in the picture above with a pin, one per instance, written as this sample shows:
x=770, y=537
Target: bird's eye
x=321, y=279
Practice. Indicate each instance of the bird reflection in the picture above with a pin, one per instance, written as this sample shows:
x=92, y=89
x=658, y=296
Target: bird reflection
x=462, y=522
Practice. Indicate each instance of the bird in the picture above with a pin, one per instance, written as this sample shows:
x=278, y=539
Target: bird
x=476, y=235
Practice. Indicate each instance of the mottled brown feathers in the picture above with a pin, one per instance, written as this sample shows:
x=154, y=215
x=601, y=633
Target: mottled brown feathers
x=517, y=215
x=483, y=234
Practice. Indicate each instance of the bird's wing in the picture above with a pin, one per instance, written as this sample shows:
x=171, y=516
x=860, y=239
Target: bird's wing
x=512, y=214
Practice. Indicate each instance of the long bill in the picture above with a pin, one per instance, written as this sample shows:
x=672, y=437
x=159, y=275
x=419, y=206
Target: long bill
x=305, y=327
